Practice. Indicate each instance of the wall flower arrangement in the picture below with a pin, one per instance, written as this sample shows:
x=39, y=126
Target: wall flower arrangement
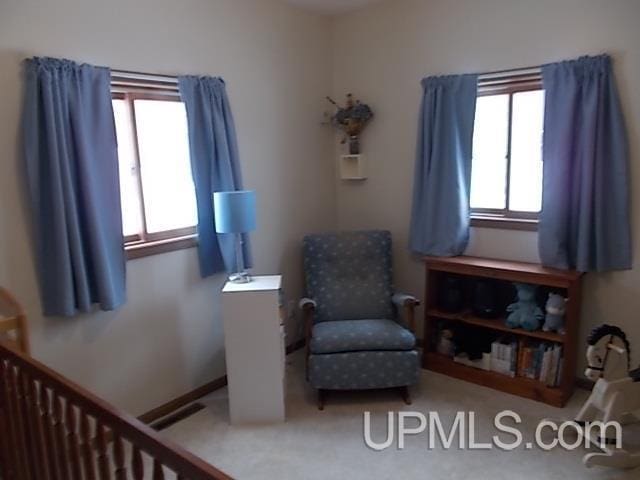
x=351, y=120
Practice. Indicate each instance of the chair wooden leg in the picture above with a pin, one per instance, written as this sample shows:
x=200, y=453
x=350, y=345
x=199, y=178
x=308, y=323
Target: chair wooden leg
x=322, y=395
x=406, y=396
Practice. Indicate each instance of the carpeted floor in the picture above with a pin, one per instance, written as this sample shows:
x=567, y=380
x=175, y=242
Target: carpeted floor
x=314, y=444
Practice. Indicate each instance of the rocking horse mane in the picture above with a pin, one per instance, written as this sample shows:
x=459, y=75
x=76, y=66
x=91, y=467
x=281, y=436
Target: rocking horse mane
x=604, y=330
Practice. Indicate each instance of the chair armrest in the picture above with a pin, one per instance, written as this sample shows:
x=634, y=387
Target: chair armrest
x=307, y=304
x=404, y=300
x=406, y=304
x=308, y=308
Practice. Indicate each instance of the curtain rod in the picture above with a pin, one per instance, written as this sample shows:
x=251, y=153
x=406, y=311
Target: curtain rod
x=532, y=69
x=158, y=76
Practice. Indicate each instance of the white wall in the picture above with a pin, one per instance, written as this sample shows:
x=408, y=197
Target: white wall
x=382, y=52
x=275, y=59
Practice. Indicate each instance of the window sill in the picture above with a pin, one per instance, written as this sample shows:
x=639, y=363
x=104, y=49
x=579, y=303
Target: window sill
x=504, y=223
x=146, y=249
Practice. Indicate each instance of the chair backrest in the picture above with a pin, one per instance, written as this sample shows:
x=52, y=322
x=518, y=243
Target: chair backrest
x=348, y=274
x=13, y=322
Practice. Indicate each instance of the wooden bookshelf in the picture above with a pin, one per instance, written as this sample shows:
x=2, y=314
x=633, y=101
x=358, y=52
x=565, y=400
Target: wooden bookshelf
x=567, y=281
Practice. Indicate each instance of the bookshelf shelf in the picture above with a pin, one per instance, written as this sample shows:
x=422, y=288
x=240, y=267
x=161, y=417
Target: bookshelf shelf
x=567, y=281
x=523, y=387
x=496, y=324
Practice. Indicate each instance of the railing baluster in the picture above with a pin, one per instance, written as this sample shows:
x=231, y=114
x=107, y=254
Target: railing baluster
x=51, y=447
x=104, y=464
x=73, y=443
x=137, y=465
x=61, y=435
x=38, y=430
x=118, y=457
x=12, y=438
x=5, y=435
x=5, y=457
x=87, y=447
x=158, y=472
x=22, y=423
x=32, y=416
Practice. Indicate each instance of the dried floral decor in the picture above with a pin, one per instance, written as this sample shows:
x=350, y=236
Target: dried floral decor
x=351, y=119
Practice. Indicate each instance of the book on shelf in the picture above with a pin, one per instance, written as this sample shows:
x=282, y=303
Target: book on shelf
x=560, y=370
x=555, y=356
x=541, y=361
x=504, y=355
x=525, y=360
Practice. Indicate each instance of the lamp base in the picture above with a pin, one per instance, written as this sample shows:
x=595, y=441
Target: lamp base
x=240, y=277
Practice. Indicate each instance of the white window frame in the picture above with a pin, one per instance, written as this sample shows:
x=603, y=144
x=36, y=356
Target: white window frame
x=130, y=86
x=517, y=81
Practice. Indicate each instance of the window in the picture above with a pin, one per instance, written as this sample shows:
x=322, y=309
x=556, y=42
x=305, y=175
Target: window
x=157, y=192
x=506, y=179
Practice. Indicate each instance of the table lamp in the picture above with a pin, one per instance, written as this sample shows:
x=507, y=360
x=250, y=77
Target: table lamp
x=235, y=213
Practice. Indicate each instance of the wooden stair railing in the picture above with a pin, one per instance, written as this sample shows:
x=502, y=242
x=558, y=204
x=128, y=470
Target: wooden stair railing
x=52, y=429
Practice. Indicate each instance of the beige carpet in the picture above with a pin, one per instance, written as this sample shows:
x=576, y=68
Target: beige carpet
x=317, y=445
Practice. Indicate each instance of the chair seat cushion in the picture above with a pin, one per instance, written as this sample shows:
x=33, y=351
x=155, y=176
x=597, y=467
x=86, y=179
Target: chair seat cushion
x=364, y=370
x=360, y=335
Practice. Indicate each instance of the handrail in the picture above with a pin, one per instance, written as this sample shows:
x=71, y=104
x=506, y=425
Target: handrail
x=43, y=437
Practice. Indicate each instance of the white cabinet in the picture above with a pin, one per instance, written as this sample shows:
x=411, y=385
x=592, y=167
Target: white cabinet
x=255, y=350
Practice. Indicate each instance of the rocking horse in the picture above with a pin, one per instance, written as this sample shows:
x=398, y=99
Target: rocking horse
x=615, y=396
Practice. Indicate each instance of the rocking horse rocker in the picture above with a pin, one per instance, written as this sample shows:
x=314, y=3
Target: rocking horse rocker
x=615, y=396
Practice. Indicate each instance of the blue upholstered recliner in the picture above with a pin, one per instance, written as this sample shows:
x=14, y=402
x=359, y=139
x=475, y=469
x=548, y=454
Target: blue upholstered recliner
x=354, y=331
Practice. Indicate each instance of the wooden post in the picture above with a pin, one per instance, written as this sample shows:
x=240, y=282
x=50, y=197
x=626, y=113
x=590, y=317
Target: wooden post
x=87, y=448
x=137, y=465
x=118, y=457
x=23, y=423
x=73, y=444
x=13, y=437
x=39, y=435
x=104, y=466
x=429, y=303
x=5, y=435
x=158, y=473
x=49, y=432
x=61, y=436
x=572, y=326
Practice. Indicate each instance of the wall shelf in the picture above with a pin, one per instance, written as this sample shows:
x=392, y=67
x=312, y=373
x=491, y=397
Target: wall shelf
x=352, y=167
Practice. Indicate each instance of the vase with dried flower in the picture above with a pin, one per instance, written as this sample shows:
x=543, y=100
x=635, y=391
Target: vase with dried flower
x=351, y=119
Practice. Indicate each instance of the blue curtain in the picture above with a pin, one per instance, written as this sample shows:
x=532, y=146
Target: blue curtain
x=584, y=223
x=71, y=165
x=442, y=179
x=215, y=167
